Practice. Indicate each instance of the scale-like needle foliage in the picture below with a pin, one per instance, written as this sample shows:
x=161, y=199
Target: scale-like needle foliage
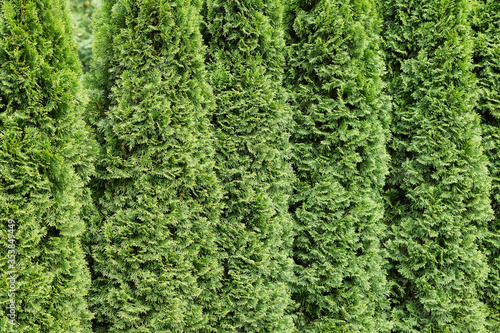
x=341, y=115
x=155, y=263
x=245, y=61
x=45, y=162
x=487, y=68
x=438, y=187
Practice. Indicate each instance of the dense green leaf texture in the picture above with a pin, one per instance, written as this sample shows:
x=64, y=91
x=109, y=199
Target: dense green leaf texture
x=438, y=187
x=45, y=161
x=155, y=266
x=335, y=69
x=487, y=61
x=245, y=61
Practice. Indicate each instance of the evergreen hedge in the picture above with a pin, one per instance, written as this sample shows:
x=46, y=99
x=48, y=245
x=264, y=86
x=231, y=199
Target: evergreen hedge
x=341, y=115
x=486, y=23
x=245, y=61
x=155, y=261
x=438, y=187
x=230, y=197
x=45, y=161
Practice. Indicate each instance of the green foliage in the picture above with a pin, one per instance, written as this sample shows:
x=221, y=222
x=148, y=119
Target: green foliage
x=438, y=187
x=45, y=161
x=82, y=11
x=155, y=261
x=341, y=114
x=486, y=23
x=245, y=60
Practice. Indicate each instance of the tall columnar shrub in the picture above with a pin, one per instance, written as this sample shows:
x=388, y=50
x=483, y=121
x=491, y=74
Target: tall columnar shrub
x=154, y=258
x=45, y=161
x=245, y=61
x=341, y=115
x=487, y=68
x=438, y=187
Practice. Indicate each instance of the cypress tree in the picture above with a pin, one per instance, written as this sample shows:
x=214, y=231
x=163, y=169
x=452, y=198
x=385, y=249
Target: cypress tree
x=341, y=114
x=486, y=24
x=245, y=61
x=438, y=186
x=154, y=258
x=45, y=161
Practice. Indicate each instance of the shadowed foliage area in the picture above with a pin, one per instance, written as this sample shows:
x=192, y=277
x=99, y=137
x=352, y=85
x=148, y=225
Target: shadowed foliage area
x=341, y=115
x=252, y=123
x=486, y=24
x=82, y=11
x=438, y=187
